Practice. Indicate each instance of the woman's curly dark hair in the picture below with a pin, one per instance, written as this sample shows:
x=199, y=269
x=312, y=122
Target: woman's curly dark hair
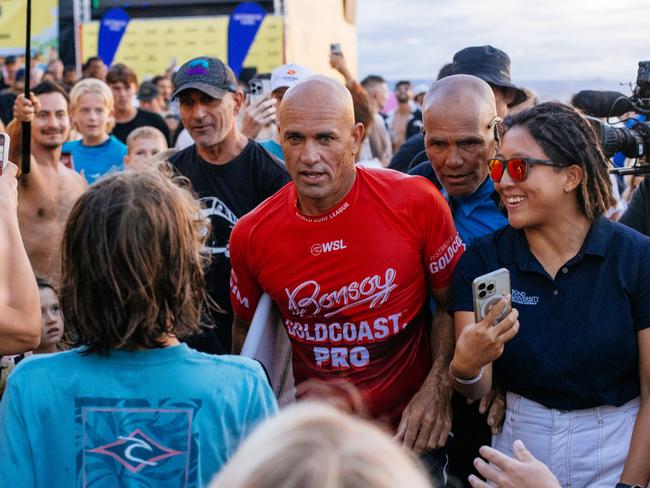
x=568, y=138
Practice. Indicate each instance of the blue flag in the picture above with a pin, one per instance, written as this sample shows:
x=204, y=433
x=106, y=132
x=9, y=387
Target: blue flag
x=111, y=30
x=245, y=21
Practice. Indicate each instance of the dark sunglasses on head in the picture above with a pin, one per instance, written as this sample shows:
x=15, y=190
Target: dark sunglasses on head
x=517, y=167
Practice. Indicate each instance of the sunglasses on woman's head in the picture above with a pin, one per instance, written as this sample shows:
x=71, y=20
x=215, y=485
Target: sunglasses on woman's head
x=517, y=167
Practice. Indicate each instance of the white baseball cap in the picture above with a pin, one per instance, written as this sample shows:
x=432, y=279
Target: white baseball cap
x=288, y=75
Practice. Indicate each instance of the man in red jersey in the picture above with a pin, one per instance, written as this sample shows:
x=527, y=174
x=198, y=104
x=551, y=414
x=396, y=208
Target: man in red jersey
x=348, y=254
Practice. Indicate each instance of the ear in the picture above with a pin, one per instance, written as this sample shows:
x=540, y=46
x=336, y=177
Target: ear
x=357, y=136
x=574, y=175
x=238, y=96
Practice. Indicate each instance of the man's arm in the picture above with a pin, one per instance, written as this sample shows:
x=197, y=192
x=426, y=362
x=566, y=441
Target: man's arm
x=20, y=314
x=426, y=420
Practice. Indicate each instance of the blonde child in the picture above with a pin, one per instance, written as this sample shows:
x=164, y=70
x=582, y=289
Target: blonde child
x=143, y=144
x=91, y=111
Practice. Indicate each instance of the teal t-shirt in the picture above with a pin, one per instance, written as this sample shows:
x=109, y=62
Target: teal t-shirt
x=95, y=161
x=161, y=417
x=273, y=147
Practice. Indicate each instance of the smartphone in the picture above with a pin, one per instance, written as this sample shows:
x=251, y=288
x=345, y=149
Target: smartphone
x=335, y=48
x=4, y=151
x=487, y=290
x=259, y=89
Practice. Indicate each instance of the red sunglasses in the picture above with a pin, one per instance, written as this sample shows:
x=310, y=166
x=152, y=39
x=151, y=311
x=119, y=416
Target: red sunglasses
x=517, y=167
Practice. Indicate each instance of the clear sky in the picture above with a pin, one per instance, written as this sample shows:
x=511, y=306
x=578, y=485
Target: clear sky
x=546, y=40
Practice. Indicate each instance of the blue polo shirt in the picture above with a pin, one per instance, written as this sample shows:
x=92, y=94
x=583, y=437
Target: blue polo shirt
x=474, y=215
x=577, y=345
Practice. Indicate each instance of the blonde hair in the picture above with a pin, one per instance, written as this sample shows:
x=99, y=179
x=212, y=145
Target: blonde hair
x=313, y=445
x=95, y=87
x=145, y=132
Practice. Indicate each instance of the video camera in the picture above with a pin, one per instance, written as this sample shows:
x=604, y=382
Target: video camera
x=633, y=141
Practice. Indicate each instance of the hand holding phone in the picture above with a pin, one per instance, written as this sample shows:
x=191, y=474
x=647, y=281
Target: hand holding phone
x=4, y=151
x=335, y=49
x=259, y=90
x=487, y=290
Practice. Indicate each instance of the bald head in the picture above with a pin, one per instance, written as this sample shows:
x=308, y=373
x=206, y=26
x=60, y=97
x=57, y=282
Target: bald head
x=463, y=91
x=319, y=91
x=459, y=132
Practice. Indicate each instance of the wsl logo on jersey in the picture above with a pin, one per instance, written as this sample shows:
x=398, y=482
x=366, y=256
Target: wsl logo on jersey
x=320, y=248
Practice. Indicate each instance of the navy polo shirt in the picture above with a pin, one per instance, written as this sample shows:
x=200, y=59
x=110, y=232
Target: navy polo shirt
x=577, y=345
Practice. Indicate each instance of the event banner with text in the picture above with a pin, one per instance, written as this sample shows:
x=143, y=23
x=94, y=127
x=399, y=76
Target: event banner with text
x=45, y=26
x=150, y=46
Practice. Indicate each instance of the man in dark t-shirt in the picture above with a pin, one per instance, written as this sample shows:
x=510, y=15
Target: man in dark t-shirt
x=123, y=83
x=230, y=173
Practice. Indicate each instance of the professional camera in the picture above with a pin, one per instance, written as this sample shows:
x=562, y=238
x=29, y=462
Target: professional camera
x=633, y=141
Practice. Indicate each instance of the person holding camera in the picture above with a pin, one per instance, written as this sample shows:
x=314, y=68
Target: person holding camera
x=576, y=366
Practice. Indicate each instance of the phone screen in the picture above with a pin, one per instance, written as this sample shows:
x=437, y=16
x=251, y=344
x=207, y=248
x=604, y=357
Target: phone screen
x=3, y=153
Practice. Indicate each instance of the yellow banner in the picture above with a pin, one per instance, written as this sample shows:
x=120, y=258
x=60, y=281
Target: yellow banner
x=150, y=46
x=45, y=26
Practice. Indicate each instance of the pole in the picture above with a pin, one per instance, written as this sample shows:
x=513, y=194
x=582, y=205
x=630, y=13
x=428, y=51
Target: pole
x=27, y=126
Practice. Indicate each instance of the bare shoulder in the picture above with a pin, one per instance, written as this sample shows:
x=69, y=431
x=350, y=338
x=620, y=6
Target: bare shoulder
x=72, y=180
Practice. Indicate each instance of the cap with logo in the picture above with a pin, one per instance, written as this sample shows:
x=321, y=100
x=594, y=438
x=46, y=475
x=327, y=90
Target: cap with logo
x=490, y=64
x=209, y=75
x=147, y=91
x=287, y=75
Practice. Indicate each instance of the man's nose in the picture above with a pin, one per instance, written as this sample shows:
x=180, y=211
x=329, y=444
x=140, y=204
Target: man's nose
x=309, y=153
x=454, y=158
x=198, y=111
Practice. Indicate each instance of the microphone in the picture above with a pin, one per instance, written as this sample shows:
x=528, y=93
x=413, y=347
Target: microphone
x=603, y=103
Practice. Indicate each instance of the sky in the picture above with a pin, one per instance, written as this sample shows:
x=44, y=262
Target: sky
x=547, y=40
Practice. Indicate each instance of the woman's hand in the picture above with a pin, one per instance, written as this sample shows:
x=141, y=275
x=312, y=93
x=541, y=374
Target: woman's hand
x=481, y=343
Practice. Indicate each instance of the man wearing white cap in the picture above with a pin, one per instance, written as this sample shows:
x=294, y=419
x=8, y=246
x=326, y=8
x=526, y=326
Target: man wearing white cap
x=282, y=78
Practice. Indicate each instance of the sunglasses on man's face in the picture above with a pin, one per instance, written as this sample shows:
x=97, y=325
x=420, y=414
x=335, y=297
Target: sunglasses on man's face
x=517, y=167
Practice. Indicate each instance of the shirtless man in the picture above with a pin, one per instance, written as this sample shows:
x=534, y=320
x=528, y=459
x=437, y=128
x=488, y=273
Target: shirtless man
x=48, y=192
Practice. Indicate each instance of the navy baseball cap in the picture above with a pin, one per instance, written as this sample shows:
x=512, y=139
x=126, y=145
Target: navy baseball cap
x=209, y=75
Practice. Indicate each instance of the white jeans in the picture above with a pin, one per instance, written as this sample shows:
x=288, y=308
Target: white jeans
x=583, y=448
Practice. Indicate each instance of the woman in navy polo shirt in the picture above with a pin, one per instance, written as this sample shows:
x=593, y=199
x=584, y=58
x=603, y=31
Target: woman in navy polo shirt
x=576, y=364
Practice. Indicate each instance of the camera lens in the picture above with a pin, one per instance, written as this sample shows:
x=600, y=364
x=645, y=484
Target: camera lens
x=490, y=287
x=482, y=294
x=481, y=286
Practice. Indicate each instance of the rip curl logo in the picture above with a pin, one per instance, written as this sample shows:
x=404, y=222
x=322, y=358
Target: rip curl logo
x=306, y=299
x=136, y=451
x=521, y=298
x=198, y=67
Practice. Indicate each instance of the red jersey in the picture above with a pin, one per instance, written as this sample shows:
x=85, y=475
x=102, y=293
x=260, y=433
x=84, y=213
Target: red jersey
x=351, y=285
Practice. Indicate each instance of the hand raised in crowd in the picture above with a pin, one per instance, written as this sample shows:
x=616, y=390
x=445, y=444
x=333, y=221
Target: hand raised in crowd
x=257, y=116
x=426, y=420
x=337, y=61
x=26, y=109
x=481, y=343
x=523, y=471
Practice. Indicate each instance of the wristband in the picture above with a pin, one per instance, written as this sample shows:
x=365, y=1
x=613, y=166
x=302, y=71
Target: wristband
x=470, y=381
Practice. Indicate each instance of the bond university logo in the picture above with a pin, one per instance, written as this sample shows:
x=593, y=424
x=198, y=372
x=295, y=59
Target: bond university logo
x=325, y=247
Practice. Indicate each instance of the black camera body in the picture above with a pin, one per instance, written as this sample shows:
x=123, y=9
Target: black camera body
x=633, y=141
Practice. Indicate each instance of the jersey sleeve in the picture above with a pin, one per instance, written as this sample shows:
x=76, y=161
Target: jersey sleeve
x=442, y=246
x=245, y=291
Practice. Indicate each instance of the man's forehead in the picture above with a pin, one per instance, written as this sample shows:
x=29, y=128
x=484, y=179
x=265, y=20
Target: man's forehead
x=52, y=101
